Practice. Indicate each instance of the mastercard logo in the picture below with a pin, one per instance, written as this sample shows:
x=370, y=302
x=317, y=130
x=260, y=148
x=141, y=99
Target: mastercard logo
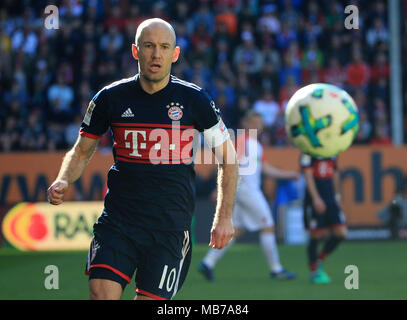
x=24, y=226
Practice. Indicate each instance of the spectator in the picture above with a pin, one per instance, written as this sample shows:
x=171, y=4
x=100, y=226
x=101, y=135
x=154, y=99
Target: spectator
x=335, y=74
x=243, y=105
x=271, y=55
x=269, y=77
x=290, y=69
x=181, y=12
x=335, y=14
x=381, y=135
x=312, y=54
x=365, y=128
x=336, y=49
x=228, y=18
x=377, y=33
x=290, y=14
x=286, y=36
x=268, y=107
x=60, y=97
x=26, y=39
x=17, y=94
x=313, y=73
x=248, y=55
x=202, y=16
x=358, y=72
x=71, y=131
x=113, y=39
x=380, y=68
x=221, y=87
x=183, y=40
x=269, y=20
x=287, y=91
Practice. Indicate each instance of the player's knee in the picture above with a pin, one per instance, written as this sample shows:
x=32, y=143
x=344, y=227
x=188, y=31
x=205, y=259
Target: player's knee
x=98, y=294
x=319, y=234
x=340, y=233
x=267, y=230
x=98, y=290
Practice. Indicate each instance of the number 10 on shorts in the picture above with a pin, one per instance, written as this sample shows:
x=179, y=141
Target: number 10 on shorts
x=170, y=278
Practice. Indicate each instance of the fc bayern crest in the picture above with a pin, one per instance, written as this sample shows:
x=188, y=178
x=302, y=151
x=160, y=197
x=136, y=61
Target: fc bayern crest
x=175, y=113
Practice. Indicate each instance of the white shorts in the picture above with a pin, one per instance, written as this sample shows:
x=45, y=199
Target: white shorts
x=252, y=211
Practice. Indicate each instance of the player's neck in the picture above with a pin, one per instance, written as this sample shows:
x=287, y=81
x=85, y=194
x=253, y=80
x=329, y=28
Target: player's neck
x=152, y=87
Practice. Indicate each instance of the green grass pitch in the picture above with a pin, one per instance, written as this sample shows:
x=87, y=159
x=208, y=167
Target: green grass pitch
x=242, y=274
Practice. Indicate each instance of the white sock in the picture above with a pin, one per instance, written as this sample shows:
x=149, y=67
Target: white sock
x=214, y=255
x=269, y=245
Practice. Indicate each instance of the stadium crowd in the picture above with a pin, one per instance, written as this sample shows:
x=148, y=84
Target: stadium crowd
x=246, y=53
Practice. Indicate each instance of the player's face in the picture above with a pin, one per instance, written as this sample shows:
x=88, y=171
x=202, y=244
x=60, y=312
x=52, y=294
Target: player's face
x=256, y=122
x=155, y=52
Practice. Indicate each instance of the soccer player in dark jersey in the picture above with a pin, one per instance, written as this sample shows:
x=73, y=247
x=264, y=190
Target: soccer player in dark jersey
x=146, y=220
x=323, y=216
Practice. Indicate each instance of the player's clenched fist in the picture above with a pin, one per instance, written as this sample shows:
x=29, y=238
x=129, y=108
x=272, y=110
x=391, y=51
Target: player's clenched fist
x=221, y=233
x=56, y=191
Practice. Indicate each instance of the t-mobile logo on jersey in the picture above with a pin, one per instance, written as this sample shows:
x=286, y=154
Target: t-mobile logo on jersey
x=134, y=145
x=183, y=144
x=172, y=144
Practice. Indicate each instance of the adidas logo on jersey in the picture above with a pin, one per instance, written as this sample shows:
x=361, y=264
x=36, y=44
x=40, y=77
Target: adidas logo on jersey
x=128, y=113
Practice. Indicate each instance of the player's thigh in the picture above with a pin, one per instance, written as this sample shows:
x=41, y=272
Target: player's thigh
x=337, y=220
x=340, y=231
x=315, y=223
x=165, y=266
x=238, y=214
x=108, y=261
x=255, y=212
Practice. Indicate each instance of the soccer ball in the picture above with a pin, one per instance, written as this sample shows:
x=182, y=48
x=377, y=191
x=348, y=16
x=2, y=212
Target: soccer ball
x=321, y=120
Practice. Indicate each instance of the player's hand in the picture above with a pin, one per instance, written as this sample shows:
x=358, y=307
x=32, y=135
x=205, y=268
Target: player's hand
x=56, y=191
x=221, y=233
x=319, y=205
x=295, y=175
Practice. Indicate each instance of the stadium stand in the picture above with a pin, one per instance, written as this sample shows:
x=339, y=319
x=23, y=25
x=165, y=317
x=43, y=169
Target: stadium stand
x=246, y=53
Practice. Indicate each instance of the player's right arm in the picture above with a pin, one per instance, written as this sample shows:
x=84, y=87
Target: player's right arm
x=317, y=201
x=95, y=123
x=73, y=165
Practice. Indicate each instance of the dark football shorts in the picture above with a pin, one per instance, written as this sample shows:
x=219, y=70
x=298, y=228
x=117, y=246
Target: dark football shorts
x=160, y=259
x=333, y=217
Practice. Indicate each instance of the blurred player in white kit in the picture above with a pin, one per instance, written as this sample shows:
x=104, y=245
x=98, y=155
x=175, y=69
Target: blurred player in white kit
x=252, y=211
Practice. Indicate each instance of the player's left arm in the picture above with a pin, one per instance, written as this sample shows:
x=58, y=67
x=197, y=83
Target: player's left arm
x=222, y=228
x=217, y=138
x=277, y=173
x=337, y=187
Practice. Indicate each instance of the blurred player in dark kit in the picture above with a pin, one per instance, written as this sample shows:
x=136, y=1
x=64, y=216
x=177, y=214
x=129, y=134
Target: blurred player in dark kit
x=323, y=217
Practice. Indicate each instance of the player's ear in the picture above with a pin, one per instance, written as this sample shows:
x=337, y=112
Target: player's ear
x=175, y=55
x=134, y=51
